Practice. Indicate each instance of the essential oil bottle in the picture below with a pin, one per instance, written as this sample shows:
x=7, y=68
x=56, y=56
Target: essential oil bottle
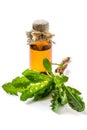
x=40, y=44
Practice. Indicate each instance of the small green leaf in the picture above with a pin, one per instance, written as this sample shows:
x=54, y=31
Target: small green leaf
x=60, y=80
x=54, y=102
x=63, y=78
x=47, y=65
x=55, y=105
x=63, y=97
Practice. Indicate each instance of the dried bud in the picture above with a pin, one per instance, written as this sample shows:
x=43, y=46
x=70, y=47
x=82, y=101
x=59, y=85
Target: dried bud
x=59, y=70
x=63, y=66
x=67, y=59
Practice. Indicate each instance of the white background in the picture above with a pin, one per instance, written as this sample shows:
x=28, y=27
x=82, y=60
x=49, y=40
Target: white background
x=68, y=20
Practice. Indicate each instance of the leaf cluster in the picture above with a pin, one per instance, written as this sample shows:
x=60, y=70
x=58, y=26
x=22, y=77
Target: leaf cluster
x=34, y=84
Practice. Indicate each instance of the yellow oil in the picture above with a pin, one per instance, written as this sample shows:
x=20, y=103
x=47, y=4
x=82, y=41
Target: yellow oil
x=38, y=52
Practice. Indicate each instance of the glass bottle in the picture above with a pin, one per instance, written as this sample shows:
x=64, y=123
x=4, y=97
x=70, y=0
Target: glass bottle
x=40, y=44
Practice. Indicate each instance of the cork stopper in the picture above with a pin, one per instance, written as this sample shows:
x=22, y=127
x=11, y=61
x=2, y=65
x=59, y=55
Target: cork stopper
x=41, y=25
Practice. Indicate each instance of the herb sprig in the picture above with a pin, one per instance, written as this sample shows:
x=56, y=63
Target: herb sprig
x=37, y=85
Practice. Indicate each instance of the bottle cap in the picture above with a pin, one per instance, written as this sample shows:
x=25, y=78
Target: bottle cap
x=41, y=25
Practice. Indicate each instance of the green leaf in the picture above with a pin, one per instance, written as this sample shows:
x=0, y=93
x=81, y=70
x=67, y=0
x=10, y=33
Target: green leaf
x=59, y=98
x=28, y=72
x=32, y=89
x=21, y=82
x=35, y=76
x=44, y=91
x=54, y=102
x=17, y=85
x=60, y=80
x=47, y=65
x=9, y=88
x=74, y=100
x=75, y=90
x=63, y=78
x=55, y=105
x=62, y=96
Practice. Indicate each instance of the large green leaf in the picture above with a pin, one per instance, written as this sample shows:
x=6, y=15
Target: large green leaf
x=59, y=98
x=32, y=89
x=9, y=88
x=35, y=76
x=74, y=99
x=21, y=82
